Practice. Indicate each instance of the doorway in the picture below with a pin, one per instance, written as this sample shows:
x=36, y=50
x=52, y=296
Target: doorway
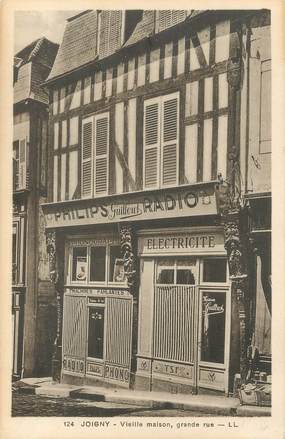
x=190, y=323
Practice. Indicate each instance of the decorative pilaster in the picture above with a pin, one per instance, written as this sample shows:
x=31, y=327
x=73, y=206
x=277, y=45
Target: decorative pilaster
x=128, y=248
x=238, y=275
x=51, y=241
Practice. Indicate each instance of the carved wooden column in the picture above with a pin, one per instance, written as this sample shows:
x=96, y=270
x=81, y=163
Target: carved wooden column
x=238, y=275
x=128, y=248
x=56, y=278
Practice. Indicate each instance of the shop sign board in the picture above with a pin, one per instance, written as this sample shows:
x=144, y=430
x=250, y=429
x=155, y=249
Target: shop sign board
x=179, y=202
x=99, y=292
x=117, y=373
x=182, y=243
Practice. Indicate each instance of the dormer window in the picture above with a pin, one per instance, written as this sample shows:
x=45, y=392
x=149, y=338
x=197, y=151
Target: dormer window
x=168, y=18
x=111, y=32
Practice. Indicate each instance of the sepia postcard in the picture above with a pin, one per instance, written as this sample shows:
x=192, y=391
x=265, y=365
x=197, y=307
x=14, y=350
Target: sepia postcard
x=142, y=219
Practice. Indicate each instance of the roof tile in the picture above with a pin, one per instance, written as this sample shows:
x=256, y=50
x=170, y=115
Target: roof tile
x=78, y=46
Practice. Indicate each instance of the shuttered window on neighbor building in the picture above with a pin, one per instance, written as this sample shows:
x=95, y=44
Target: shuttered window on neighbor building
x=20, y=169
x=95, y=155
x=161, y=134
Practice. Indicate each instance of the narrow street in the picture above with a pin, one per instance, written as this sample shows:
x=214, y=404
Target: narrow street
x=35, y=405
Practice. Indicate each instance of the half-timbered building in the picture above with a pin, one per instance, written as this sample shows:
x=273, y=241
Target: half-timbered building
x=147, y=228
x=32, y=291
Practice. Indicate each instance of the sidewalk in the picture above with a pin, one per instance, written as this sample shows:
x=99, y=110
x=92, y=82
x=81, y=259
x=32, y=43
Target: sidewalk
x=208, y=404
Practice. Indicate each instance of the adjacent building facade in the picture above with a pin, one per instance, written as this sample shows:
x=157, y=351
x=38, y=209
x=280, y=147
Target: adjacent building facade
x=156, y=153
x=31, y=287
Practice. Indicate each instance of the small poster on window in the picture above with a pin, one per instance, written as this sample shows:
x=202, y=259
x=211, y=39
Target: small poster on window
x=81, y=268
x=119, y=272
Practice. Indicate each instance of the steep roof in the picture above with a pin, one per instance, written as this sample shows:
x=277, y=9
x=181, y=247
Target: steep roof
x=32, y=65
x=79, y=44
x=144, y=29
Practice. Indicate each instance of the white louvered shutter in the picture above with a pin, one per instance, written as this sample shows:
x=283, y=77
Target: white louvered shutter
x=170, y=139
x=101, y=154
x=151, y=143
x=86, y=157
x=22, y=165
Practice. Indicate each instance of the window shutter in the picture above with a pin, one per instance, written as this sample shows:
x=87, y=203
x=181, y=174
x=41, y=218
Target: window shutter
x=22, y=165
x=168, y=18
x=101, y=154
x=164, y=19
x=151, y=143
x=178, y=16
x=110, y=32
x=169, y=142
x=86, y=157
x=115, y=31
x=104, y=24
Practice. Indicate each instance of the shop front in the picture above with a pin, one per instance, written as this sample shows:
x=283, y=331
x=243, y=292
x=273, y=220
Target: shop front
x=184, y=312
x=145, y=304
x=97, y=312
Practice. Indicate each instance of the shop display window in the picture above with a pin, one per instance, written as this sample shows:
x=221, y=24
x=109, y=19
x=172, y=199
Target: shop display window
x=213, y=327
x=102, y=264
x=96, y=332
x=79, y=264
x=98, y=264
x=116, y=268
x=215, y=270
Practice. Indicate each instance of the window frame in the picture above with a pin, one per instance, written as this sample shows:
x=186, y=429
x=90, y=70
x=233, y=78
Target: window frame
x=175, y=268
x=93, y=118
x=213, y=283
x=107, y=282
x=161, y=99
x=227, y=292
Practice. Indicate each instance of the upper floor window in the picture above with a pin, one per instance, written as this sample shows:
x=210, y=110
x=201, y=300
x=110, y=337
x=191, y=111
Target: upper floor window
x=95, y=155
x=20, y=171
x=168, y=18
x=111, y=31
x=161, y=141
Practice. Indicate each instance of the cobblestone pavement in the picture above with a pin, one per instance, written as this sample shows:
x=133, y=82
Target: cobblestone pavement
x=35, y=405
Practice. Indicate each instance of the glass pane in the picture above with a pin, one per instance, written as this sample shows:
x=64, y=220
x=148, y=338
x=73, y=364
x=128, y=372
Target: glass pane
x=185, y=277
x=96, y=332
x=165, y=271
x=79, y=264
x=215, y=270
x=98, y=264
x=165, y=276
x=213, y=327
x=186, y=272
x=116, y=271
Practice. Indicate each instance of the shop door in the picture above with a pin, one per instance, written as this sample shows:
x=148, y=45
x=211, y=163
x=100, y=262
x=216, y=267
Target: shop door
x=190, y=327
x=176, y=322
